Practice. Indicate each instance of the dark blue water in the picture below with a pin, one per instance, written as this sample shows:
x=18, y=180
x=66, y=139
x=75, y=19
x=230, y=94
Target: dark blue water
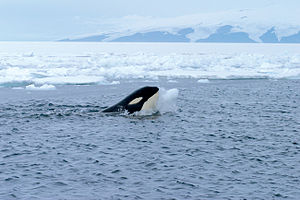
x=235, y=139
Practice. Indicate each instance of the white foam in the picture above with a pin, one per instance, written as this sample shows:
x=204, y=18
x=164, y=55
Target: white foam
x=43, y=87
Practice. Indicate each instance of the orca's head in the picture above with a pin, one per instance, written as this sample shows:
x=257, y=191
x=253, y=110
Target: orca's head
x=142, y=99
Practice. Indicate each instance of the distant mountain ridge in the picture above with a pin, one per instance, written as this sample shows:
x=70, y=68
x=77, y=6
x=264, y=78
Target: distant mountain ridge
x=157, y=36
x=277, y=23
x=224, y=34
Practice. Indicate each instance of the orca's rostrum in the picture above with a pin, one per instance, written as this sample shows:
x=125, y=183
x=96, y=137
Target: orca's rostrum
x=142, y=99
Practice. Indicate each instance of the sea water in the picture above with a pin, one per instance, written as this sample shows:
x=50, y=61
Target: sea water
x=227, y=128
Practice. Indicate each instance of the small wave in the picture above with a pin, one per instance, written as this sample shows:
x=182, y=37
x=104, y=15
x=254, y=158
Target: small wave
x=44, y=109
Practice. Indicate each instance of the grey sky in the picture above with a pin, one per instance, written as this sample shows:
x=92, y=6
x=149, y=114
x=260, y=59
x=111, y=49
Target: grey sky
x=53, y=19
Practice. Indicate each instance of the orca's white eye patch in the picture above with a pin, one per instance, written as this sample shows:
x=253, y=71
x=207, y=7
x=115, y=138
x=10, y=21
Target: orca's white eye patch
x=135, y=101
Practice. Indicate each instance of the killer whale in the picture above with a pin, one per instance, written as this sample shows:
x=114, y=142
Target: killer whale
x=142, y=99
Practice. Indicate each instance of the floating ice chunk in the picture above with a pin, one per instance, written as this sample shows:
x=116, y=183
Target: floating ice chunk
x=80, y=80
x=109, y=83
x=43, y=87
x=203, y=81
x=231, y=61
x=17, y=88
x=114, y=83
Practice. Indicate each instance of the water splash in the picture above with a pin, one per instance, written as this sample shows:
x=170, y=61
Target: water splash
x=167, y=100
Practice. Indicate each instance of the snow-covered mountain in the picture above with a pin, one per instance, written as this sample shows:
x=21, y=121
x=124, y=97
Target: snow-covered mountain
x=273, y=24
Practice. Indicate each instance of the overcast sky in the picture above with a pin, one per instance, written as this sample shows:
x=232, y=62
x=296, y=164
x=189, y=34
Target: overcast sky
x=55, y=19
